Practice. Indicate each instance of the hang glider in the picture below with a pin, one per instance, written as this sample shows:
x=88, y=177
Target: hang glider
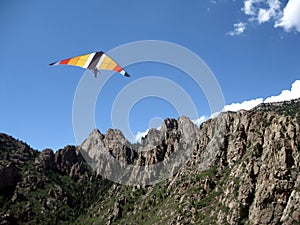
x=95, y=62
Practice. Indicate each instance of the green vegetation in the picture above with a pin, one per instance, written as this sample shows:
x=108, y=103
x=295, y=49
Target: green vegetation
x=47, y=197
x=210, y=173
x=289, y=108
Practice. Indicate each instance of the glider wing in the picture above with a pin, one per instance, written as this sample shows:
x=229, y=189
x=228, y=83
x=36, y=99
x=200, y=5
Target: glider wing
x=94, y=61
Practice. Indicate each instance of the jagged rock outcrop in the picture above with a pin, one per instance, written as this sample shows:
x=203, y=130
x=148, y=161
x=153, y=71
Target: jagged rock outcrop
x=9, y=176
x=243, y=168
x=70, y=162
x=160, y=153
x=13, y=155
x=238, y=168
x=46, y=160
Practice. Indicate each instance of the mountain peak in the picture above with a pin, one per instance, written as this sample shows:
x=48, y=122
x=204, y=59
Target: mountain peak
x=238, y=168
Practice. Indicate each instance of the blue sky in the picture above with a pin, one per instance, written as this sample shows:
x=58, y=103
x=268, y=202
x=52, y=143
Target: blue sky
x=251, y=46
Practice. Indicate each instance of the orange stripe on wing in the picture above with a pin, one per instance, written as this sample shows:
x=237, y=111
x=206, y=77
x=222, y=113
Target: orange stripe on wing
x=73, y=61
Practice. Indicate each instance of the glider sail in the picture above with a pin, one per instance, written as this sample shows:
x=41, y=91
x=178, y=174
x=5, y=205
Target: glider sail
x=95, y=61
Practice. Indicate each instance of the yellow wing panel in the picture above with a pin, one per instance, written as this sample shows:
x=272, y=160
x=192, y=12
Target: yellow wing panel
x=108, y=64
x=82, y=60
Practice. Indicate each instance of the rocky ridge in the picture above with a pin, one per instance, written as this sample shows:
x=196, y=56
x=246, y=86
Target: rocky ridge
x=238, y=168
x=115, y=158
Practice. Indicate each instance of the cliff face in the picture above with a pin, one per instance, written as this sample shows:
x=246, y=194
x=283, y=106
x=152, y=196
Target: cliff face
x=260, y=175
x=238, y=168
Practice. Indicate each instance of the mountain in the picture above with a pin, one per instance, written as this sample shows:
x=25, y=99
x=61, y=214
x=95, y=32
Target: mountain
x=238, y=168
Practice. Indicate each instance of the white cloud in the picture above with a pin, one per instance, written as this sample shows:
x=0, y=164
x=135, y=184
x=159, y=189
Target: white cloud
x=264, y=15
x=199, y=120
x=263, y=11
x=239, y=29
x=274, y=4
x=273, y=11
x=291, y=16
x=214, y=115
x=140, y=135
x=287, y=95
x=244, y=105
x=249, y=8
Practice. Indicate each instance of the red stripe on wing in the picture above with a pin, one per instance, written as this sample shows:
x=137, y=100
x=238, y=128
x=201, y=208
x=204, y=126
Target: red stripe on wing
x=118, y=68
x=65, y=61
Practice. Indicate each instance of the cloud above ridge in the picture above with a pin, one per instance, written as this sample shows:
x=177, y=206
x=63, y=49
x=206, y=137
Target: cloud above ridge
x=285, y=95
x=247, y=105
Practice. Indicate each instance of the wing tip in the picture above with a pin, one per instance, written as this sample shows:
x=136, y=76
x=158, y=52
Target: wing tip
x=126, y=74
x=52, y=64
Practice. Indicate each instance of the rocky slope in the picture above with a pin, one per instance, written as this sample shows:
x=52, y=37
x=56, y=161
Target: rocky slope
x=238, y=168
x=43, y=187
